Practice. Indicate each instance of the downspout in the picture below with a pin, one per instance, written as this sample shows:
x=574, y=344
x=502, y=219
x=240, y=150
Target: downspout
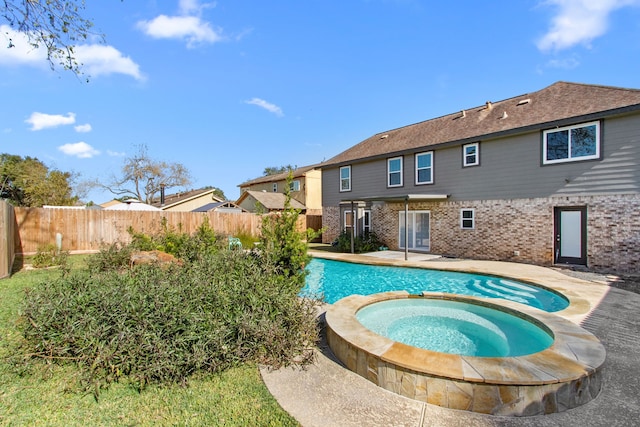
x=406, y=229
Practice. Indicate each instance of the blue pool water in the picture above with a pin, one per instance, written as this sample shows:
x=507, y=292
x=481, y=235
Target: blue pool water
x=454, y=327
x=335, y=280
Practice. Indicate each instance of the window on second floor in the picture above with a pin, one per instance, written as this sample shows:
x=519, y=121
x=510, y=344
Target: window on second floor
x=424, y=168
x=345, y=178
x=394, y=172
x=274, y=187
x=294, y=185
x=471, y=154
x=571, y=143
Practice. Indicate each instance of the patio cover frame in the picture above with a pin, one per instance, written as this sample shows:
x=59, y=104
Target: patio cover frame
x=406, y=198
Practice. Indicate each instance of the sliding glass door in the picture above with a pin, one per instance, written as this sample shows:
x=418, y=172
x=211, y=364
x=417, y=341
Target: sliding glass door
x=418, y=224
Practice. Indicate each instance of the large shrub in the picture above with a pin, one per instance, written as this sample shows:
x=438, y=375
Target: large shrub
x=366, y=242
x=179, y=243
x=151, y=324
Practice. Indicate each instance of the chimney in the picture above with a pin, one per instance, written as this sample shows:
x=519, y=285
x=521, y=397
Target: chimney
x=161, y=195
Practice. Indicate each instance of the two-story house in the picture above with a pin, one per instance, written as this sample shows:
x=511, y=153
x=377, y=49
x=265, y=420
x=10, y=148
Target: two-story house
x=549, y=177
x=305, y=188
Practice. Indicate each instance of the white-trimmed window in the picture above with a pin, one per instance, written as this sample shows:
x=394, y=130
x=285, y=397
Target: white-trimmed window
x=345, y=178
x=294, y=185
x=424, y=168
x=394, y=172
x=471, y=154
x=274, y=187
x=571, y=143
x=467, y=219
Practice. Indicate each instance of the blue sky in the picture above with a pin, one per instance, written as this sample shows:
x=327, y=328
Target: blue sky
x=228, y=88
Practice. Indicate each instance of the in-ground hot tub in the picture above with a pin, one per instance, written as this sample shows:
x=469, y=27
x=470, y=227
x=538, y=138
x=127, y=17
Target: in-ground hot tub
x=561, y=374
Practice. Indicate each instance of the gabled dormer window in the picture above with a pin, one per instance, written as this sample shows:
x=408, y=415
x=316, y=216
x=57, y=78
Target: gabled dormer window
x=345, y=178
x=571, y=143
x=394, y=172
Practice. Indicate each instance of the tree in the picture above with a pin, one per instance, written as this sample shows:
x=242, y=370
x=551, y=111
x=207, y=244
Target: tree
x=29, y=182
x=282, y=245
x=274, y=170
x=143, y=177
x=56, y=25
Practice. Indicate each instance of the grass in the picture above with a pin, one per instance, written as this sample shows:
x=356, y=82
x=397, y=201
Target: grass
x=48, y=394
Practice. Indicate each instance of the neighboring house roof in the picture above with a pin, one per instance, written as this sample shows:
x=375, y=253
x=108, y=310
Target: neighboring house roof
x=217, y=205
x=554, y=105
x=183, y=197
x=271, y=201
x=132, y=205
x=301, y=171
x=110, y=203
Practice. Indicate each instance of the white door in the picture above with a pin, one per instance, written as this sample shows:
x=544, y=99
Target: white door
x=571, y=235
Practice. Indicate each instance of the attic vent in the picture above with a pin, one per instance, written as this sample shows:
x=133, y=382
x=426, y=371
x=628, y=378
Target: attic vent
x=463, y=114
x=384, y=136
x=504, y=115
x=524, y=101
x=489, y=105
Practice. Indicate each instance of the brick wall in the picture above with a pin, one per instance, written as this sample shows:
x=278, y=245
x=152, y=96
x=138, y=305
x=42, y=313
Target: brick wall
x=330, y=223
x=520, y=230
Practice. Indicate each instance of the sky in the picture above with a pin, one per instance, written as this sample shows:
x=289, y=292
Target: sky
x=228, y=88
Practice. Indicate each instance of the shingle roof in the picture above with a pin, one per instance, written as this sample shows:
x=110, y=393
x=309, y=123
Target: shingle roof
x=562, y=101
x=172, y=199
x=279, y=177
x=271, y=201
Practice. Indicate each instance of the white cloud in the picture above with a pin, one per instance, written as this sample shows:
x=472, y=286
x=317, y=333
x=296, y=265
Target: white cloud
x=272, y=108
x=104, y=60
x=39, y=121
x=83, y=128
x=187, y=25
x=579, y=21
x=82, y=150
x=21, y=52
x=95, y=59
x=190, y=28
x=116, y=153
x=190, y=7
x=564, y=63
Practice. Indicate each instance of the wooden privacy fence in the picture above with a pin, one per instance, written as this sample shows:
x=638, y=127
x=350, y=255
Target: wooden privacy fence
x=7, y=235
x=86, y=230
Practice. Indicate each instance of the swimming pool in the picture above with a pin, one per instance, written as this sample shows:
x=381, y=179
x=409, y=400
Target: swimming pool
x=335, y=280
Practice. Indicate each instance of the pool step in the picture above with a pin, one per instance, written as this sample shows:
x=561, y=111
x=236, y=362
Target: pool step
x=491, y=289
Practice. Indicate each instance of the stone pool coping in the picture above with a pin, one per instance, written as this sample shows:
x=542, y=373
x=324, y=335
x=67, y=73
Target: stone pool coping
x=561, y=377
x=574, y=352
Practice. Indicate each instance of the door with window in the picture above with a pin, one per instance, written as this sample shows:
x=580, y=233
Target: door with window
x=570, y=235
x=364, y=222
x=418, y=230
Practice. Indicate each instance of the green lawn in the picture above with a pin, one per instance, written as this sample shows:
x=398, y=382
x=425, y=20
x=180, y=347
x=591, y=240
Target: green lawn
x=43, y=394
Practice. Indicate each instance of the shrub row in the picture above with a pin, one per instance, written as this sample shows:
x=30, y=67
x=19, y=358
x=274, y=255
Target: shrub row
x=152, y=324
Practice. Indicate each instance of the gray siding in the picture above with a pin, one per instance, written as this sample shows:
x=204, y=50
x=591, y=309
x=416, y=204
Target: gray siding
x=509, y=168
